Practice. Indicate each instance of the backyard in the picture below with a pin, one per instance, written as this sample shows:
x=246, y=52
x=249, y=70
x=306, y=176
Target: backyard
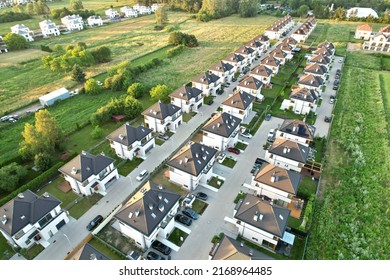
x=160, y=178
x=177, y=237
x=83, y=205
x=110, y=253
x=199, y=206
x=229, y=162
x=216, y=182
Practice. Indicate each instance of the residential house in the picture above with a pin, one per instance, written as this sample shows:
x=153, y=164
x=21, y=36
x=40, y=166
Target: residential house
x=302, y=101
x=385, y=30
x=252, y=86
x=87, y=173
x=129, y=141
x=223, y=70
x=129, y=12
x=320, y=59
x=316, y=70
x=95, y=21
x=221, y=131
x=290, y=41
x=378, y=43
x=29, y=219
x=237, y=60
x=239, y=105
x=324, y=51
x=297, y=131
x=357, y=12
x=3, y=46
x=274, y=32
x=287, y=49
x=301, y=34
x=263, y=40
x=89, y=253
x=287, y=154
x=6, y=3
x=49, y=28
x=189, y=99
x=112, y=13
x=208, y=83
x=328, y=45
x=142, y=10
x=257, y=46
x=262, y=73
x=247, y=52
x=311, y=81
x=280, y=55
x=148, y=215
x=192, y=165
x=260, y=221
x=363, y=32
x=276, y=183
x=162, y=117
x=23, y=31
x=271, y=63
x=73, y=22
x=231, y=249
x=154, y=7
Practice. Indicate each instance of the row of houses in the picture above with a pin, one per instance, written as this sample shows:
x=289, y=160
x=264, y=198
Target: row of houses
x=280, y=28
x=132, y=12
x=379, y=41
x=304, y=31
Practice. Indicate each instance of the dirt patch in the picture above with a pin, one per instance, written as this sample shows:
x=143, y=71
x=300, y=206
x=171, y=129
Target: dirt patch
x=353, y=47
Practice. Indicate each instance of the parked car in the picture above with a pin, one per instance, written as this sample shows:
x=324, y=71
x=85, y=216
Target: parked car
x=183, y=219
x=234, y=89
x=191, y=213
x=99, y=83
x=234, y=150
x=220, y=91
x=336, y=82
x=241, y=75
x=234, y=79
x=92, y=224
x=210, y=102
x=246, y=134
x=271, y=133
x=201, y=195
x=268, y=117
x=154, y=256
x=226, y=84
x=331, y=99
x=335, y=87
x=327, y=119
x=12, y=120
x=161, y=247
x=142, y=175
x=259, y=161
x=338, y=71
x=163, y=136
x=4, y=119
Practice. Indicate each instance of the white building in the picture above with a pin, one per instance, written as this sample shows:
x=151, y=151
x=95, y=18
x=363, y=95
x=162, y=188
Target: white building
x=247, y=52
x=287, y=154
x=311, y=81
x=142, y=10
x=262, y=73
x=162, y=117
x=290, y=41
x=320, y=59
x=148, y=215
x=54, y=96
x=361, y=12
x=378, y=43
x=363, y=32
x=281, y=56
x=192, y=166
x=189, y=99
x=88, y=173
x=297, y=131
x=129, y=142
x=49, y=28
x=23, y=31
x=316, y=69
x=302, y=101
x=129, y=12
x=73, y=22
x=276, y=183
x=257, y=46
x=271, y=63
x=111, y=13
x=263, y=40
x=252, y=86
x=238, y=61
x=208, y=83
x=95, y=21
x=261, y=222
x=221, y=131
x=239, y=105
x=223, y=70
x=29, y=219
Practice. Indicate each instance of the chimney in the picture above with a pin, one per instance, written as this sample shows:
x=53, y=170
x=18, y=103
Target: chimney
x=260, y=217
x=288, y=150
x=185, y=159
x=251, y=252
x=218, y=124
x=180, y=161
x=295, y=127
x=137, y=212
x=150, y=206
x=3, y=219
x=273, y=177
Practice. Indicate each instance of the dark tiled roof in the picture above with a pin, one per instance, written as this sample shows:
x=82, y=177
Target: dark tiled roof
x=206, y=78
x=304, y=94
x=250, y=82
x=160, y=110
x=147, y=208
x=289, y=149
x=239, y=100
x=310, y=80
x=192, y=159
x=25, y=210
x=186, y=93
x=91, y=253
x=324, y=51
x=298, y=128
x=327, y=45
x=85, y=165
x=222, y=124
x=279, y=178
x=261, y=214
x=221, y=67
x=270, y=61
x=127, y=134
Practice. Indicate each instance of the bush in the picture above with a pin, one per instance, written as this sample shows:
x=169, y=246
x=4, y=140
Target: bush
x=175, y=51
x=180, y=38
x=91, y=87
x=12, y=16
x=102, y=54
x=46, y=48
x=11, y=175
x=15, y=41
x=97, y=132
x=42, y=161
x=136, y=90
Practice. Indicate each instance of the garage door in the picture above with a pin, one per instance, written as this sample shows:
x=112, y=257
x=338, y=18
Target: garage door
x=200, y=105
x=60, y=224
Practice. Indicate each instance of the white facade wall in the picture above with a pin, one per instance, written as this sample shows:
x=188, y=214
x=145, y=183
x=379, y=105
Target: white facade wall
x=124, y=152
x=271, y=192
x=242, y=114
x=219, y=142
x=298, y=106
x=92, y=22
x=283, y=162
x=263, y=79
x=208, y=89
x=300, y=38
x=295, y=138
x=254, y=234
x=254, y=92
x=362, y=34
x=318, y=89
x=134, y=234
x=46, y=31
x=272, y=35
x=188, y=106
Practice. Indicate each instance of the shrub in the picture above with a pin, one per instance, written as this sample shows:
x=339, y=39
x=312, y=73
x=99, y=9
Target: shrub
x=175, y=51
x=46, y=48
x=42, y=161
x=97, y=132
x=11, y=175
x=136, y=90
x=12, y=16
x=180, y=38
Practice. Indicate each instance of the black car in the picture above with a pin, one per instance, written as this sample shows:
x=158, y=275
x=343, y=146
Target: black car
x=210, y=102
x=234, y=79
x=154, y=256
x=220, y=91
x=268, y=117
x=327, y=119
x=335, y=87
x=161, y=247
x=336, y=82
x=259, y=161
x=183, y=219
x=191, y=213
x=201, y=195
x=92, y=224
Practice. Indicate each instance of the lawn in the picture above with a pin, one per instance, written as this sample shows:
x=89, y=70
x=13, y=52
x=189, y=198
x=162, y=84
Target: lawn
x=176, y=236
x=307, y=187
x=362, y=60
x=240, y=195
x=215, y=182
x=229, y=162
x=294, y=222
x=353, y=199
x=6, y=251
x=158, y=141
x=52, y=188
x=105, y=250
x=129, y=166
x=386, y=63
x=273, y=92
x=241, y=146
x=83, y=205
x=188, y=116
x=160, y=178
x=199, y=206
x=32, y=252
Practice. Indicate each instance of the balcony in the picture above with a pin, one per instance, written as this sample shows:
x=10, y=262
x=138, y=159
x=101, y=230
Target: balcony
x=174, y=117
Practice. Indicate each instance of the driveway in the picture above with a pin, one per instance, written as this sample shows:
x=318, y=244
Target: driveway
x=326, y=109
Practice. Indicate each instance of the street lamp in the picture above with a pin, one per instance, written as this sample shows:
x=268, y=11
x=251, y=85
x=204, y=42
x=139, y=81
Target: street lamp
x=70, y=244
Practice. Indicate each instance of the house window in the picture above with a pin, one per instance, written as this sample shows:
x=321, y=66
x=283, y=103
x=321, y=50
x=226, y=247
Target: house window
x=255, y=239
x=28, y=241
x=45, y=220
x=241, y=112
x=286, y=165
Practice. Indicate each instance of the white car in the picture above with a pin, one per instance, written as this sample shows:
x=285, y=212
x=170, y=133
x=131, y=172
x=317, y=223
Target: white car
x=5, y=118
x=142, y=175
x=246, y=134
x=271, y=133
x=99, y=83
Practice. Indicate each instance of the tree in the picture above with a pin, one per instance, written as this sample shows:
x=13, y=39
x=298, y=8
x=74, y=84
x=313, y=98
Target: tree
x=180, y=38
x=132, y=107
x=339, y=13
x=303, y=10
x=160, y=92
x=42, y=161
x=40, y=8
x=15, y=41
x=91, y=87
x=18, y=8
x=161, y=15
x=102, y=54
x=30, y=8
x=97, y=132
x=76, y=5
x=78, y=74
x=136, y=90
x=248, y=8
x=11, y=175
